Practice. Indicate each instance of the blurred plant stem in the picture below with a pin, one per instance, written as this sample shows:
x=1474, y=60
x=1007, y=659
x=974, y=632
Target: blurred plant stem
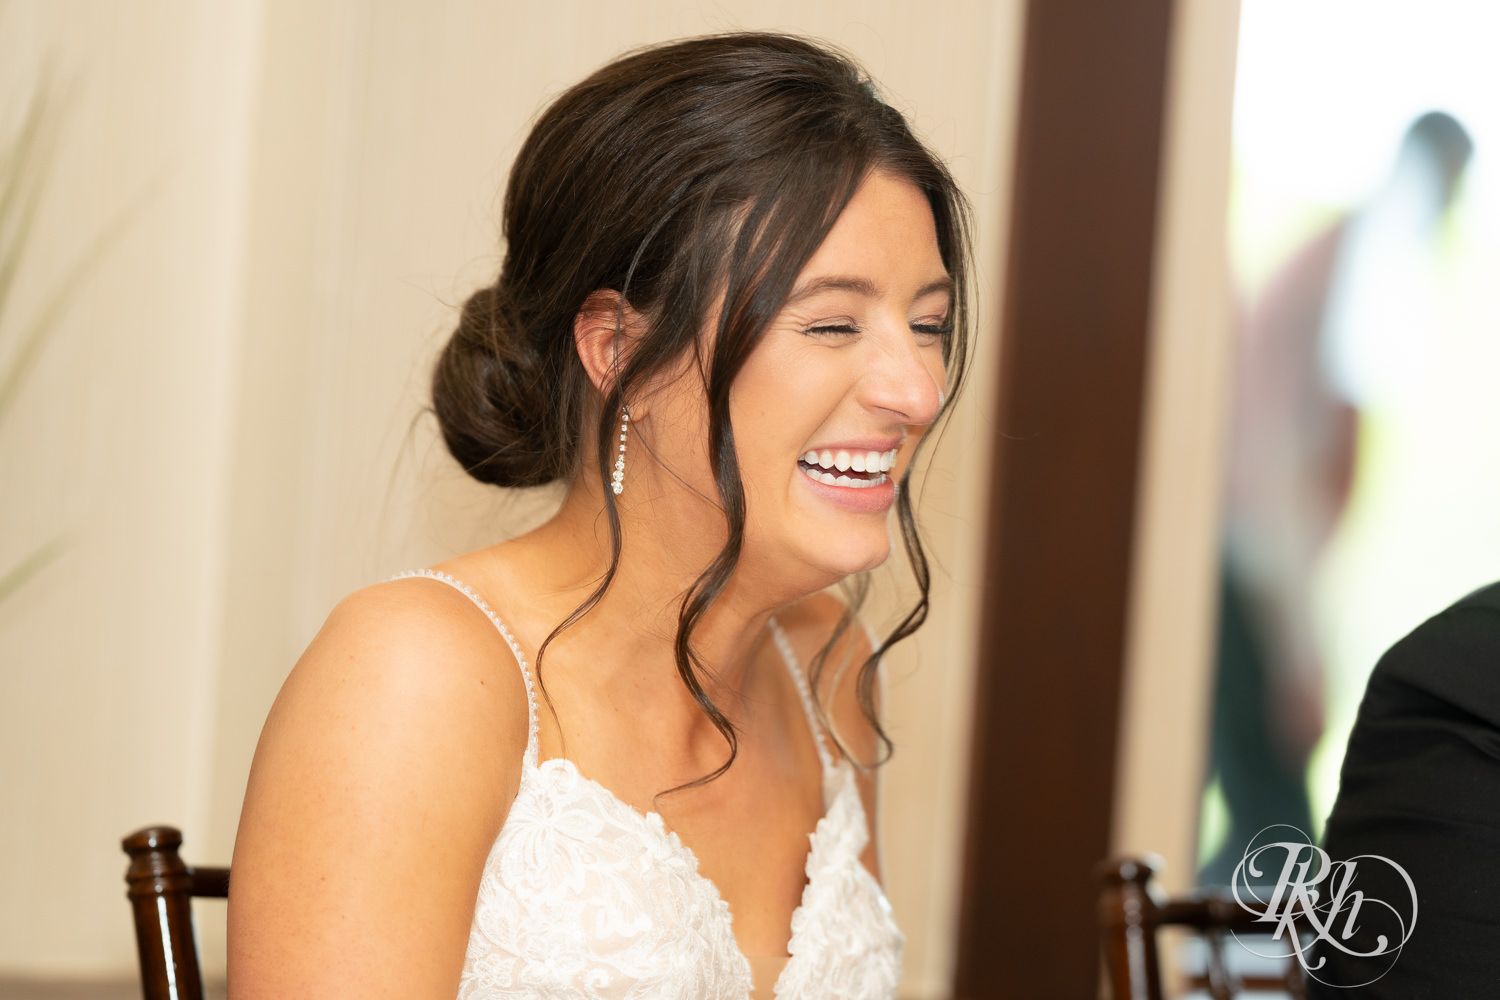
x=30, y=566
x=25, y=156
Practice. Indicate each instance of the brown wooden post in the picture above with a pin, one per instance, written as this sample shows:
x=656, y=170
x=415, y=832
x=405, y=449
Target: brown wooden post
x=1073, y=354
x=160, y=893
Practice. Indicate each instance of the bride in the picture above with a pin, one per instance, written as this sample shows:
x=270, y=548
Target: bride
x=630, y=753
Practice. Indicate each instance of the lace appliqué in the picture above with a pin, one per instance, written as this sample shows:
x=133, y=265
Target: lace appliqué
x=582, y=896
x=845, y=943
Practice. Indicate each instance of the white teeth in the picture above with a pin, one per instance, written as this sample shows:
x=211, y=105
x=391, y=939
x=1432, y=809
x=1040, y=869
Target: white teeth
x=868, y=462
x=848, y=482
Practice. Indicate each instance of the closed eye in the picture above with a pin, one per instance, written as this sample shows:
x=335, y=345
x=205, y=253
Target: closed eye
x=833, y=329
x=847, y=329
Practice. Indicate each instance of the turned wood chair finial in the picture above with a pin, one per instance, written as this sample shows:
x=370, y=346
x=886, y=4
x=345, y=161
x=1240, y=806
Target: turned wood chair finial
x=160, y=889
x=1132, y=907
x=1128, y=902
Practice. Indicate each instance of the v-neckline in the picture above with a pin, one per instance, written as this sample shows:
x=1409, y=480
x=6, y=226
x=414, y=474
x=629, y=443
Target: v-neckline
x=830, y=770
x=651, y=821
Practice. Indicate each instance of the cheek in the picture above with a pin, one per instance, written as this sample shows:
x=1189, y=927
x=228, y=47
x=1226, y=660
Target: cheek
x=933, y=357
x=771, y=422
x=775, y=402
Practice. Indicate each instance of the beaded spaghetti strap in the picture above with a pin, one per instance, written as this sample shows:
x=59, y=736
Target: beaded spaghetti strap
x=532, y=741
x=790, y=659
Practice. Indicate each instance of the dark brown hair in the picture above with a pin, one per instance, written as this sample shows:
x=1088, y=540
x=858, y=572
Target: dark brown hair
x=674, y=175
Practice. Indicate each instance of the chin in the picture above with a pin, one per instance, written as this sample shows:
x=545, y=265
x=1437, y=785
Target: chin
x=854, y=557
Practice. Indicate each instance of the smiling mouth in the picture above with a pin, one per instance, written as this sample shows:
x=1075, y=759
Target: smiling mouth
x=854, y=470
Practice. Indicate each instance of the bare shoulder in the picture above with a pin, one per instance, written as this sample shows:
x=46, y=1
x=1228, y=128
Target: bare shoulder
x=410, y=657
x=381, y=779
x=415, y=623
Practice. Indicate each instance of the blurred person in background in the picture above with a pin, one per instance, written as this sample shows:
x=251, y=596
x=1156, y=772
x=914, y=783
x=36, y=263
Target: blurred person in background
x=1332, y=332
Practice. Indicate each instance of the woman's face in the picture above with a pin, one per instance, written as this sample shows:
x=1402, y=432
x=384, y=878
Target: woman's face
x=830, y=404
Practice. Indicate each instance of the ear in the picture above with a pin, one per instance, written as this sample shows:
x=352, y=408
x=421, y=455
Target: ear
x=603, y=332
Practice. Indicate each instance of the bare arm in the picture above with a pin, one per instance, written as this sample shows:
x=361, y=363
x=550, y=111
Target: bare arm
x=382, y=777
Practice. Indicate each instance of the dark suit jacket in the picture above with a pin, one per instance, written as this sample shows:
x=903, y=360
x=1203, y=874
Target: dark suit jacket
x=1421, y=786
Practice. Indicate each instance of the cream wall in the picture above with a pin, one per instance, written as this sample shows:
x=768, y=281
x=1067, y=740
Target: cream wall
x=109, y=659
x=228, y=421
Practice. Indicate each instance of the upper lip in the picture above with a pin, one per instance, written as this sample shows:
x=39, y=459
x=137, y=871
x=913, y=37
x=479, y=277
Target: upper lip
x=884, y=445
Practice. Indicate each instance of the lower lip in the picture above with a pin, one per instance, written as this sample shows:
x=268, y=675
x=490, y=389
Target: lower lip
x=858, y=499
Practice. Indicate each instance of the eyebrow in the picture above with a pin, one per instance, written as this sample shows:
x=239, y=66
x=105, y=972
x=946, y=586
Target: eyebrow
x=859, y=286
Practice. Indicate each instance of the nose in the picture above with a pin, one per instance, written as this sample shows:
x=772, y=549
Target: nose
x=903, y=378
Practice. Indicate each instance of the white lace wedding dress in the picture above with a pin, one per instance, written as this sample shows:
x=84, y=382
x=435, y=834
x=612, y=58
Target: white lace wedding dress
x=583, y=896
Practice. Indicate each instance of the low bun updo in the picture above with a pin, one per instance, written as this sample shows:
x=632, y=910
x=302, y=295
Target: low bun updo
x=508, y=405
x=693, y=180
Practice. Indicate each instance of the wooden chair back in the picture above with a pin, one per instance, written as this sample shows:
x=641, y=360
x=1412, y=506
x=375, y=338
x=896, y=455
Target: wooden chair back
x=1132, y=908
x=161, y=887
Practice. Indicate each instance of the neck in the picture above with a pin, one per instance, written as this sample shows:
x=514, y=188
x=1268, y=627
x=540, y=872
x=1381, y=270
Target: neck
x=666, y=545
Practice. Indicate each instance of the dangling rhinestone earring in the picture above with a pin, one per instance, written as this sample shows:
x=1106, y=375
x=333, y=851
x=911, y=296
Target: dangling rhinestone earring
x=619, y=476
